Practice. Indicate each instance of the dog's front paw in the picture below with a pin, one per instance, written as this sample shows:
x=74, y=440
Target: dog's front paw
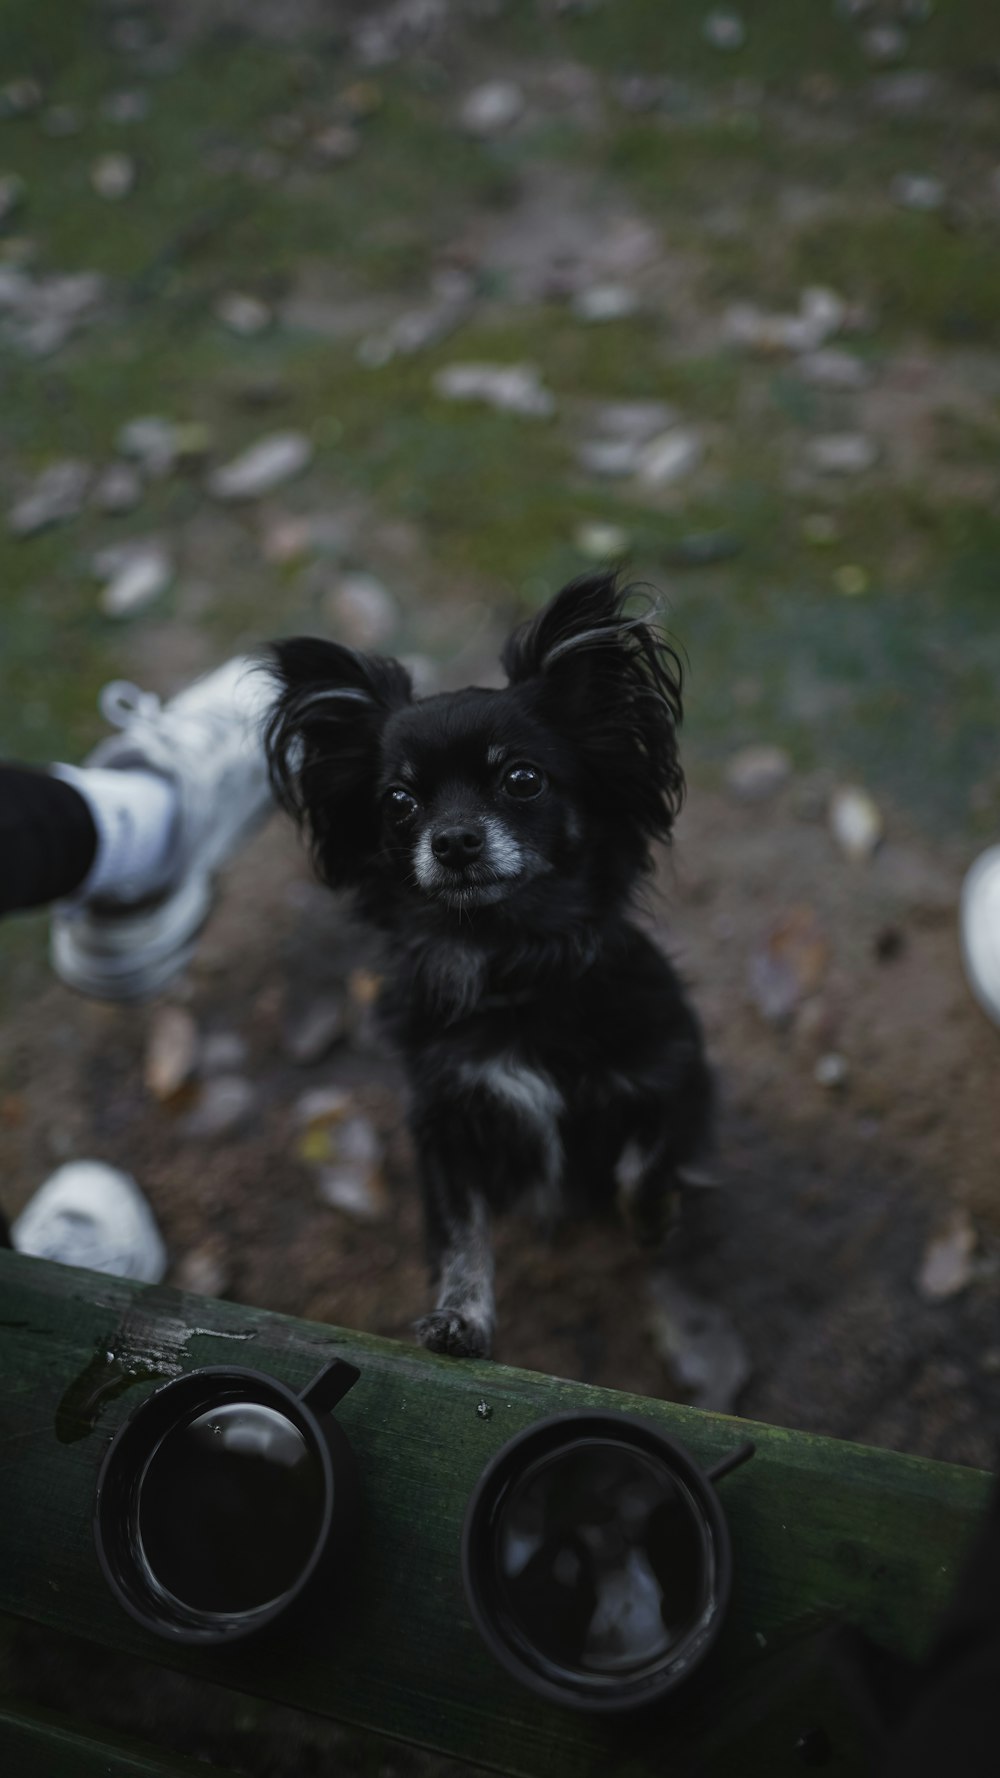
x=444, y=1330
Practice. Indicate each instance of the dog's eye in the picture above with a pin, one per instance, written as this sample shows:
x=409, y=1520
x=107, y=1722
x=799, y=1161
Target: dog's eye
x=399, y=806
x=523, y=781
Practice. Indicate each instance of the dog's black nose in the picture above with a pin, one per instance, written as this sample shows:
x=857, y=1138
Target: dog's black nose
x=457, y=845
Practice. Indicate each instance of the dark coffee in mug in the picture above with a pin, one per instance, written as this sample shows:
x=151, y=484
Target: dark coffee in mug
x=229, y=1508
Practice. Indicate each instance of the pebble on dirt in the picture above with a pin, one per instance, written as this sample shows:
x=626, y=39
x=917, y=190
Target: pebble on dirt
x=266, y=465
x=605, y=302
x=947, y=1265
x=492, y=108
x=855, y=822
x=724, y=30
x=755, y=773
x=151, y=442
x=140, y=573
x=601, y=543
x=117, y=489
x=11, y=194
x=841, y=453
x=667, y=459
x=113, y=176
x=243, y=314
x=226, y=1103
x=57, y=495
x=511, y=388
x=312, y=1033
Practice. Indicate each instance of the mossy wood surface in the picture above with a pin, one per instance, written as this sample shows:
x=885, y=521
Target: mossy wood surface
x=824, y=1532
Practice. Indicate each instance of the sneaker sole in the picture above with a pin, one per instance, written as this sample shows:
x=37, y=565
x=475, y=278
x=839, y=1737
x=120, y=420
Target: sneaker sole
x=130, y=956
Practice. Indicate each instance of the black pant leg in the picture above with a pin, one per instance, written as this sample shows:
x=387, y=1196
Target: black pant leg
x=47, y=838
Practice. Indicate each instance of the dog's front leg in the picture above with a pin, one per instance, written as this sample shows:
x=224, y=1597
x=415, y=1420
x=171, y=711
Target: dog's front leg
x=461, y=1255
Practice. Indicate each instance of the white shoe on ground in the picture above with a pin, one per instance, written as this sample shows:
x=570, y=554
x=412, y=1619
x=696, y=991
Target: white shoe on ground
x=89, y=1214
x=207, y=743
x=979, y=929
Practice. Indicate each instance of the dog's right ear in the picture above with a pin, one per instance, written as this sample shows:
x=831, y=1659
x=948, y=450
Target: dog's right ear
x=322, y=745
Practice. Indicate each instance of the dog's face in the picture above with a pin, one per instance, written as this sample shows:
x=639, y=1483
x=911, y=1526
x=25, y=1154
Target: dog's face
x=527, y=801
x=477, y=800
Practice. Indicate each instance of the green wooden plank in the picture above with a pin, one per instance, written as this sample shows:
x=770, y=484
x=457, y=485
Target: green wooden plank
x=823, y=1532
x=41, y=1744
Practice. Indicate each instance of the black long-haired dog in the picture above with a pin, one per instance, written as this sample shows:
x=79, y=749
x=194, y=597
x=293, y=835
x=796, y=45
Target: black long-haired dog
x=496, y=838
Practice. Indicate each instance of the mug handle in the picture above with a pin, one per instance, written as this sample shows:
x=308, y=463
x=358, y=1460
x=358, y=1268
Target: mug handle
x=741, y=1455
x=330, y=1385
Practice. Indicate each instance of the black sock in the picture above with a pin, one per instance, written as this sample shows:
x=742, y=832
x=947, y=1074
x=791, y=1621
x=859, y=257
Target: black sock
x=48, y=839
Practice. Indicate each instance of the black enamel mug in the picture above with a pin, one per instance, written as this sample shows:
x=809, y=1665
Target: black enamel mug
x=223, y=1499
x=597, y=1561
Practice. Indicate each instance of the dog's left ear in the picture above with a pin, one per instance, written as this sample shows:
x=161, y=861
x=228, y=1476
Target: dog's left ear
x=608, y=677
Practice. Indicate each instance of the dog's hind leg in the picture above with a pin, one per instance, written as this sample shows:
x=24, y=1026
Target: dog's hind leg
x=458, y=1226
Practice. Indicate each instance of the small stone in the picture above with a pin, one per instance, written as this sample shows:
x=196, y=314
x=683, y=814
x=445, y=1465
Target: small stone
x=117, y=489
x=222, y=1052
x=755, y=773
x=314, y=1032
x=605, y=302
x=490, y=109
x=699, y=1344
x=947, y=1265
x=356, y=1189
x=19, y=98
x=636, y=421
x=363, y=611
x=113, y=176
x=143, y=575
x=126, y=107
x=203, y=1271
x=226, y=1104
x=601, y=543
x=907, y=92
x=668, y=458
x=611, y=458
x=321, y=1106
x=831, y=368
x=171, y=1052
x=242, y=314
x=917, y=191
x=885, y=43
x=855, y=822
x=12, y=190
x=831, y=1071
x=58, y=494
x=511, y=388
x=851, y=580
x=335, y=144
x=821, y=314
x=841, y=453
x=266, y=465
x=61, y=121
x=724, y=30
x=150, y=442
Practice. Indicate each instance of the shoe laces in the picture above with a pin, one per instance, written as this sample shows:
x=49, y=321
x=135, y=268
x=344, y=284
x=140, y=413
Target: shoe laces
x=121, y=702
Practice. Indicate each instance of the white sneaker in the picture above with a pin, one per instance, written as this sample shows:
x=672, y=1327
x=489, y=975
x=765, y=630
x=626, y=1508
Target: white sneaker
x=207, y=742
x=89, y=1214
x=979, y=928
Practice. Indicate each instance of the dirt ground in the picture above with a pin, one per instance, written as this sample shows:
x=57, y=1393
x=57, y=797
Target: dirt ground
x=848, y=1255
